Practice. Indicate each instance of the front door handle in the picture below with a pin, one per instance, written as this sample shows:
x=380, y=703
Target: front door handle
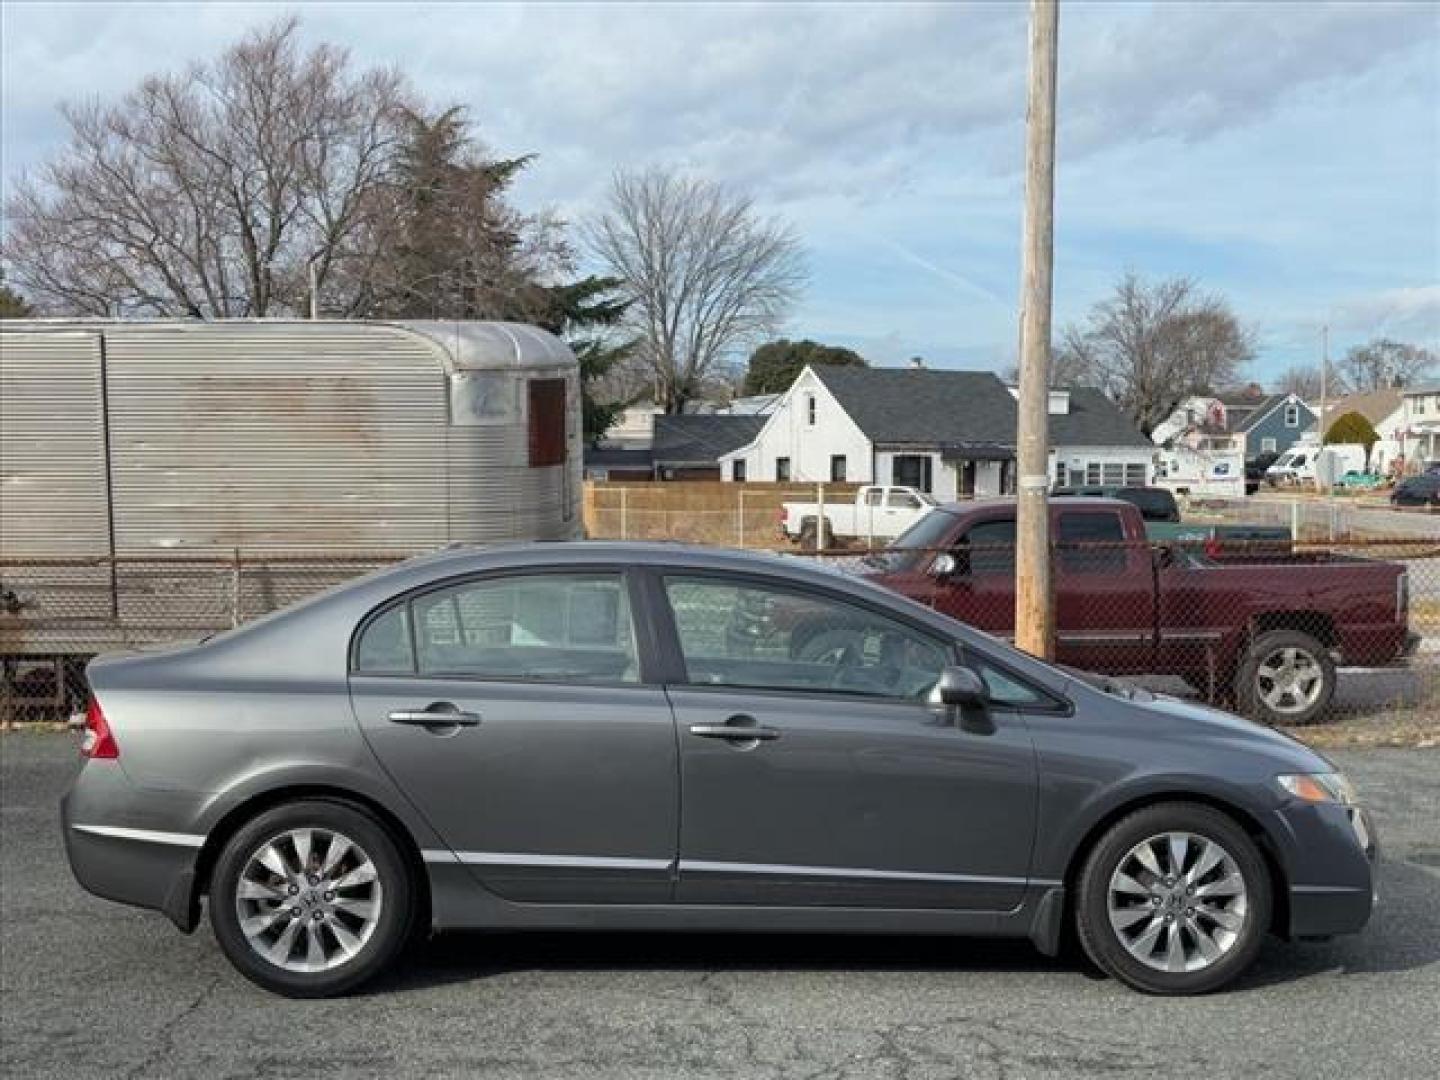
x=735, y=732
x=438, y=714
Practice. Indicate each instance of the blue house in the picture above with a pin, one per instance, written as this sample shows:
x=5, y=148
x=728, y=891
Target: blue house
x=1269, y=425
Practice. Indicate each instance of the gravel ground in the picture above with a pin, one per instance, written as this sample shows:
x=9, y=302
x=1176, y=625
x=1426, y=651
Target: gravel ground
x=92, y=989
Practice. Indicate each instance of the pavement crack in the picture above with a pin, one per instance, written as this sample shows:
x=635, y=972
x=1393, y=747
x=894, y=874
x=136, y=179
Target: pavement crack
x=165, y=1035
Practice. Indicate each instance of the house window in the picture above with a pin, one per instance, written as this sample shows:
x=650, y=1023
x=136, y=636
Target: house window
x=1092, y=474
x=1268, y=446
x=737, y=470
x=1059, y=474
x=1292, y=415
x=912, y=470
x=1114, y=473
x=782, y=469
x=837, y=468
x=1135, y=474
x=1419, y=404
x=810, y=409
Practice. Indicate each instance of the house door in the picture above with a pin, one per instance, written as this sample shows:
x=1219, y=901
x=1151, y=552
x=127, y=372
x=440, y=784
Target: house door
x=966, y=488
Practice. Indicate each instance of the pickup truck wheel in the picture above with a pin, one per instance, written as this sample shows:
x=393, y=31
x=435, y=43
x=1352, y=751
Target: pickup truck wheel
x=1287, y=677
x=808, y=530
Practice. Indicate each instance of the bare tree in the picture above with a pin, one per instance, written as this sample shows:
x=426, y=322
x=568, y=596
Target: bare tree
x=706, y=275
x=213, y=192
x=1383, y=364
x=1306, y=380
x=1149, y=346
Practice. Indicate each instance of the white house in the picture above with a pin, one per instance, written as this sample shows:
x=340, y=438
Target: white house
x=1421, y=435
x=949, y=433
x=1385, y=409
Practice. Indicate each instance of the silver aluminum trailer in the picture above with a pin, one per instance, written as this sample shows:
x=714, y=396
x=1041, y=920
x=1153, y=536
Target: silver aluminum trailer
x=292, y=452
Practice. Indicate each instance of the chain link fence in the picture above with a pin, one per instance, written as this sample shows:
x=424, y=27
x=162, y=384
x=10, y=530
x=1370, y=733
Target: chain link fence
x=55, y=614
x=1291, y=632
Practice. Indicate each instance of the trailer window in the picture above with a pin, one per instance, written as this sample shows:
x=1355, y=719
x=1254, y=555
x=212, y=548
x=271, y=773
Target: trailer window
x=481, y=397
x=547, y=422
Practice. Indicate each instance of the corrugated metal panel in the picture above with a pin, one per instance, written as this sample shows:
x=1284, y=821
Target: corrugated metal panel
x=52, y=451
x=289, y=437
x=326, y=437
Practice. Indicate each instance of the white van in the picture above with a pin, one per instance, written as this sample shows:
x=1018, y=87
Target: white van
x=1292, y=467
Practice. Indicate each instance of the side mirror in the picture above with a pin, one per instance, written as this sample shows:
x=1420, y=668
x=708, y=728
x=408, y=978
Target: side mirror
x=945, y=565
x=960, y=686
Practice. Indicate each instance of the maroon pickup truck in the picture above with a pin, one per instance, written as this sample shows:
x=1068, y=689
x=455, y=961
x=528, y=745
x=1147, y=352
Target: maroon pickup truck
x=1264, y=628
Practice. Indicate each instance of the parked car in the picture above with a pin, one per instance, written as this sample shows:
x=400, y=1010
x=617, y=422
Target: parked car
x=1266, y=625
x=1422, y=490
x=1255, y=471
x=1154, y=503
x=627, y=736
x=876, y=513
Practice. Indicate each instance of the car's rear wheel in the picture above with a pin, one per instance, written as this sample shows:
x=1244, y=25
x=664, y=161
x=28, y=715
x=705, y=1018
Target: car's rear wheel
x=1174, y=899
x=1287, y=677
x=311, y=899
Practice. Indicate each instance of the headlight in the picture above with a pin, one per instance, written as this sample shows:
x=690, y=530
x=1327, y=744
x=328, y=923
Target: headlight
x=1320, y=787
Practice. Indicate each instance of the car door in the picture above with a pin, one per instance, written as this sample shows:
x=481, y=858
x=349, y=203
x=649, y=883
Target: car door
x=981, y=590
x=1105, y=594
x=516, y=712
x=814, y=769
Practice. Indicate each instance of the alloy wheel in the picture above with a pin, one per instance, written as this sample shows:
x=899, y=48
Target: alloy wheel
x=308, y=899
x=1177, y=902
x=1289, y=680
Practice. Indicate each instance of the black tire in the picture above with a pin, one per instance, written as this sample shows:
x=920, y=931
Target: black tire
x=1102, y=942
x=392, y=926
x=1248, y=691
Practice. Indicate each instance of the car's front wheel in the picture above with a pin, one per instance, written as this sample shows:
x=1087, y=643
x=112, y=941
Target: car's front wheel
x=311, y=898
x=1174, y=899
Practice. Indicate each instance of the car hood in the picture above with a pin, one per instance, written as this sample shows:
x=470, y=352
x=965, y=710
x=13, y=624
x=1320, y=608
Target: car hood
x=1184, y=720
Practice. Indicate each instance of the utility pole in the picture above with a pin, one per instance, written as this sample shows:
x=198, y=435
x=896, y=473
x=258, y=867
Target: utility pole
x=1034, y=606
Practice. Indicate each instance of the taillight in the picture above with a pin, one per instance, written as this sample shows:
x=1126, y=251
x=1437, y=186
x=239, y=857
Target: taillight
x=99, y=741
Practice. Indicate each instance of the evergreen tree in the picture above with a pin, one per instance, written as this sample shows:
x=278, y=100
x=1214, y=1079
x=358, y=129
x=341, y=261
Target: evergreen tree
x=775, y=365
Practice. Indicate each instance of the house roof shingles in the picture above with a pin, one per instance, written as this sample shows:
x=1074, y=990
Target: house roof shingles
x=924, y=407
x=700, y=439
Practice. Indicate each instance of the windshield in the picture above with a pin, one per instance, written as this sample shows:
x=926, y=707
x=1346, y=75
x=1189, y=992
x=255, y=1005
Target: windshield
x=915, y=544
x=1282, y=460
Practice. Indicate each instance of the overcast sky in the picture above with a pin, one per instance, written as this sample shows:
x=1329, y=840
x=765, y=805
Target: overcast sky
x=1286, y=154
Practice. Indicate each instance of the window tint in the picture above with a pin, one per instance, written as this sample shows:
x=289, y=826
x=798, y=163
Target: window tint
x=555, y=627
x=873, y=496
x=385, y=646
x=903, y=500
x=1091, y=543
x=769, y=637
x=990, y=547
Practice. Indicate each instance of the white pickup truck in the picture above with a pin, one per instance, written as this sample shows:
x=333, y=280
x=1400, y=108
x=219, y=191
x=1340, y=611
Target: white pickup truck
x=877, y=513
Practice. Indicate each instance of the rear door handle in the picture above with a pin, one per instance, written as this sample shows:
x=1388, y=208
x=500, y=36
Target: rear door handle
x=440, y=714
x=737, y=732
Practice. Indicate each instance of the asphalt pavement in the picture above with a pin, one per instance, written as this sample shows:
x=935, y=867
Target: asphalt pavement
x=93, y=989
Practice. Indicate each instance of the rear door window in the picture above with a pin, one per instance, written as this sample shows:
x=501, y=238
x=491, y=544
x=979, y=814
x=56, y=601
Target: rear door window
x=1091, y=543
x=564, y=628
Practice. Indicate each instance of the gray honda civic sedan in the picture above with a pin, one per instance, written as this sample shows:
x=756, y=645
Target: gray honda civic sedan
x=654, y=737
